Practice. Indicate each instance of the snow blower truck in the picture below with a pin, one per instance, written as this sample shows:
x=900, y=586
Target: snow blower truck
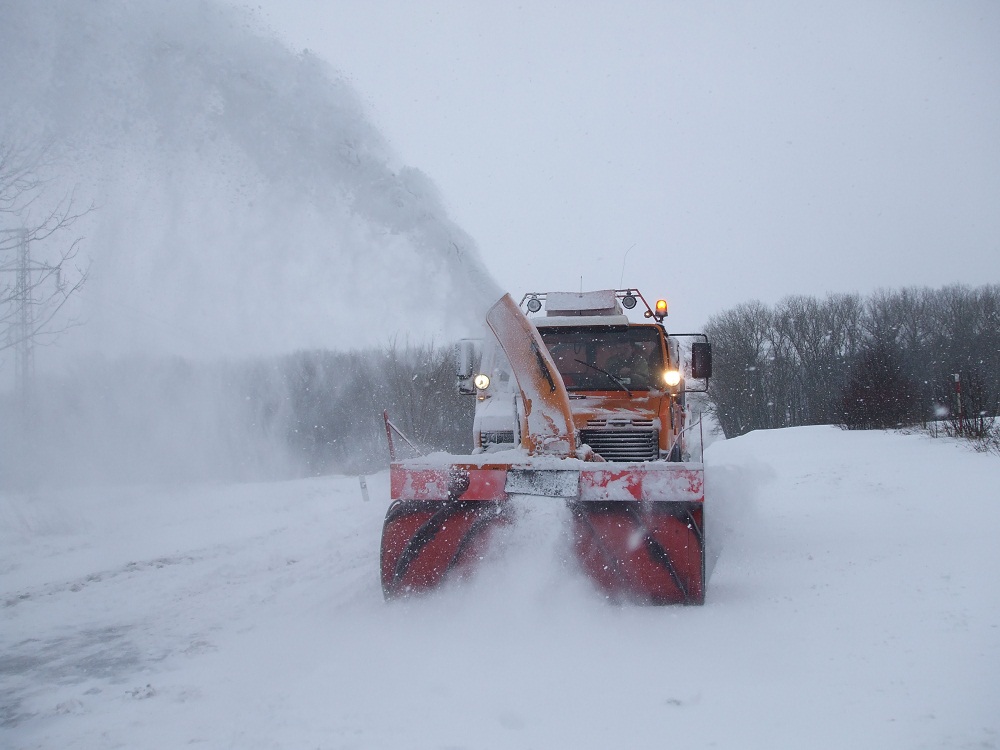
x=576, y=403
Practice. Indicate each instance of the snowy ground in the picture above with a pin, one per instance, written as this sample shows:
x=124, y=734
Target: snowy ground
x=853, y=602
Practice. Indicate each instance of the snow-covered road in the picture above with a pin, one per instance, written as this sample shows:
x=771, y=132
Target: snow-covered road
x=852, y=602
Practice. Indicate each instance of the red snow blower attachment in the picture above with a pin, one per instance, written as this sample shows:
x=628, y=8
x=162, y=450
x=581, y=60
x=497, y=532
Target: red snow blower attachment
x=581, y=405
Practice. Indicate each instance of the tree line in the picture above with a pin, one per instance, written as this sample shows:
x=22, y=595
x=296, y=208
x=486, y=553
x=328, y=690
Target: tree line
x=885, y=360
x=333, y=404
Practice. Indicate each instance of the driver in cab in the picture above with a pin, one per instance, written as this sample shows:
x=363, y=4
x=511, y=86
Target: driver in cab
x=629, y=364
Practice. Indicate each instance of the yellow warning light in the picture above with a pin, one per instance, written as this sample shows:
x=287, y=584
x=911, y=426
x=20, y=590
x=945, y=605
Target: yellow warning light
x=661, y=308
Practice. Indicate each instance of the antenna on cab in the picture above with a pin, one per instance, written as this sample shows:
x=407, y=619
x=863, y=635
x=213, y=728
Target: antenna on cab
x=624, y=258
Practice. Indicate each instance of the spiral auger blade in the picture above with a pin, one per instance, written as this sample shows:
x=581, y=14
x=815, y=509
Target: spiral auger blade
x=652, y=553
x=426, y=542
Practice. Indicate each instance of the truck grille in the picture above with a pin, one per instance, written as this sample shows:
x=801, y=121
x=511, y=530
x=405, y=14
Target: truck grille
x=496, y=437
x=623, y=444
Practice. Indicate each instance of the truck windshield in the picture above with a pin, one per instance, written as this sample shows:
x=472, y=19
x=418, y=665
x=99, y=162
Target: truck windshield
x=605, y=359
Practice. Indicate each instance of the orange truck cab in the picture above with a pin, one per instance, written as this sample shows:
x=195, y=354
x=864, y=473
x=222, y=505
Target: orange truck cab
x=627, y=381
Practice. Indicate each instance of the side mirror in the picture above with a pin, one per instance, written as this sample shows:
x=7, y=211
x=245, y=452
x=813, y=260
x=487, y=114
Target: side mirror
x=465, y=366
x=701, y=360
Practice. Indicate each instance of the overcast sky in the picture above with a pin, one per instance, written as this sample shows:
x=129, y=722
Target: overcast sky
x=742, y=151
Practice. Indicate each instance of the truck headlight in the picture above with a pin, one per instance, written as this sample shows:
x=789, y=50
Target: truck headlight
x=481, y=381
x=672, y=377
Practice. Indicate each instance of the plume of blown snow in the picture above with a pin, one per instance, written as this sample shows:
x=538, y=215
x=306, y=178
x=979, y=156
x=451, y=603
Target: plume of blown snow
x=245, y=202
x=245, y=206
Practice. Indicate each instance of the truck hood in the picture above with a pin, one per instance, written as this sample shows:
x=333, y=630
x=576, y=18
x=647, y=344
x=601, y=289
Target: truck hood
x=615, y=409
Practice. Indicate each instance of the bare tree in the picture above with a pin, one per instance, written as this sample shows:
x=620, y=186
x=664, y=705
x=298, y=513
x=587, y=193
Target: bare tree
x=818, y=338
x=34, y=291
x=878, y=394
x=743, y=396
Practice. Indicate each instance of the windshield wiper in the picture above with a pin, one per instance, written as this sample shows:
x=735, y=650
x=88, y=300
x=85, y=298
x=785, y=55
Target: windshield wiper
x=605, y=372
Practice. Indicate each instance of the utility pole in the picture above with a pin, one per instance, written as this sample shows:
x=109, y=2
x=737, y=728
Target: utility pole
x=24, y=353
x=958, y=402
x=21, y=332
x=20, y=336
